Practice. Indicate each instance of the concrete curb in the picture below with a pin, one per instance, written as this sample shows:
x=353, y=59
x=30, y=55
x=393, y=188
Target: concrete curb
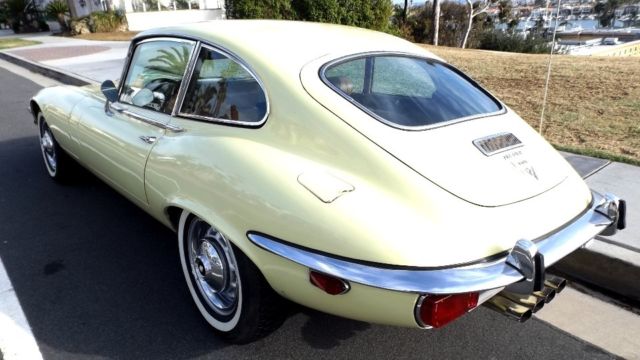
x=605, y=266
x=601, y=264
x=56, y=74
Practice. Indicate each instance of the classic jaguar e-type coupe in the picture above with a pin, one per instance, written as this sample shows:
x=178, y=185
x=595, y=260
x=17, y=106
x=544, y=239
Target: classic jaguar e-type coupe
x=343, y=169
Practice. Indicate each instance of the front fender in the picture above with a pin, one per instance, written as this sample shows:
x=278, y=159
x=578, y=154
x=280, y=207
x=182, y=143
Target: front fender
x=56, y=104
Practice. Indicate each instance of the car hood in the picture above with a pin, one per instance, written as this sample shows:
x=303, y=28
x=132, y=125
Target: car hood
x=452, y=156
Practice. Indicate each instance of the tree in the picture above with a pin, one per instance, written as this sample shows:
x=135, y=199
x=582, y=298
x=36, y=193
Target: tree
x=17, y=11
x=505, y=7
x=259, y=9
x=404, y=10
x=372, y=14
x=475, y=9
x=607, y=12
x=436, y=21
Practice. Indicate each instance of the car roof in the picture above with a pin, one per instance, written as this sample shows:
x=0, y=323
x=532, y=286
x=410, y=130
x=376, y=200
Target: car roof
x=290, y=44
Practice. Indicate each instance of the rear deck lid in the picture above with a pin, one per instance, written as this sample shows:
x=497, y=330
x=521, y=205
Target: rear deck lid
x=438, y=122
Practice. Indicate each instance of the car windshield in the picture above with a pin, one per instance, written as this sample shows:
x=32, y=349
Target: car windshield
x=407, y=91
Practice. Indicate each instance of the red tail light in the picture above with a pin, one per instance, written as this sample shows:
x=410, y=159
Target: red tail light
x=438, y=310
x=329, y=284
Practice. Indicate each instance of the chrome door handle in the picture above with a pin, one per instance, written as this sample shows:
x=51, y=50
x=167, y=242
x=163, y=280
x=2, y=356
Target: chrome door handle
x=149, y=139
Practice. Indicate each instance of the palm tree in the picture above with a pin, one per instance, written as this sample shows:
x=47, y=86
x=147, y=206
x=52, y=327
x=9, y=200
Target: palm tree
x=58, y=10
x=170, y=61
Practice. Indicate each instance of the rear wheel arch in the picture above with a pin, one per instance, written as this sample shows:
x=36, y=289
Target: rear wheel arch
x=237, y=238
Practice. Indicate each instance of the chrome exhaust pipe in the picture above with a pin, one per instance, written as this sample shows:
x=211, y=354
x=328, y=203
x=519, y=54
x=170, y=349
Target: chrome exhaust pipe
x=556, y=283
x=509, y=308
x=532, y=302
x=547, y=294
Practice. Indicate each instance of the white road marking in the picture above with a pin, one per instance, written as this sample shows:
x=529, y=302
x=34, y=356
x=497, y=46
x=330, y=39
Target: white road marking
x=16, y=338
x=593, y=320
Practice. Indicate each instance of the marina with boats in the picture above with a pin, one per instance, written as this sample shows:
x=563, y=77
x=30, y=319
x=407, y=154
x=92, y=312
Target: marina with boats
x=578, y=28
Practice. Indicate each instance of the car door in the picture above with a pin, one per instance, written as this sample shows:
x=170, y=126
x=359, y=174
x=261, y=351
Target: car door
x=115, y=140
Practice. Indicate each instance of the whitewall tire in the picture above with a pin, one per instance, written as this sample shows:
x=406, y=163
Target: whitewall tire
x=227, y=288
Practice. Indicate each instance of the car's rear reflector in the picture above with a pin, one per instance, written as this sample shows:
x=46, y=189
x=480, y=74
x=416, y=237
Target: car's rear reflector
x=438, y=310
x=329, y=284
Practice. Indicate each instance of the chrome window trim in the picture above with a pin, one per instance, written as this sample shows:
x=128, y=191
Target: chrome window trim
x=325, y=80
x=123, y=108
x=150, y=121
x=187, y=76
x=453, y=280
x=129, y=58
x=247, y=68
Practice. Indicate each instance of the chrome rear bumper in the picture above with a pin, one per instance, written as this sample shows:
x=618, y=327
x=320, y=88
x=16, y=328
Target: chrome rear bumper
x=605, y=215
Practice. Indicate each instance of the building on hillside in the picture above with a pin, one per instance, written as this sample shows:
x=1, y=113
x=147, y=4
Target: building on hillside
x=147, y=14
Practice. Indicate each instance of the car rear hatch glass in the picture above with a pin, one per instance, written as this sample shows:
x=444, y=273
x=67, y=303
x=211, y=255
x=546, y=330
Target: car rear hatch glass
x=409, y=92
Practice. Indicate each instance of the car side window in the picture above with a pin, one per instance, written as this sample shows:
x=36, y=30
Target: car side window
x=222, y=89
x=155, y=73
x=348, y=78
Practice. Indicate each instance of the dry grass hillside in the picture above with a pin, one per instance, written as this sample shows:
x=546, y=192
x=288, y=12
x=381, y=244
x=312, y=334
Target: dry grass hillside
x=593, y=103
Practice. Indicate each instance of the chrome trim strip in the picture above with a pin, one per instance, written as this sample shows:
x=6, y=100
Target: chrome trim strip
x=168, y=126
x=166, y=38
x=186, y=78
x=477, y=277
x=246, y=67
x=503, y=108
x=416, y=313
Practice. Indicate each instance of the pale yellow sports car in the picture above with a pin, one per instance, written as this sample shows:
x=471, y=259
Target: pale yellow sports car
x=344, y=169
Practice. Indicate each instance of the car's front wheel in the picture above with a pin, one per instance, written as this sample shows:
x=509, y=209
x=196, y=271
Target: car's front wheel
x=58, y=164
x=228, y=289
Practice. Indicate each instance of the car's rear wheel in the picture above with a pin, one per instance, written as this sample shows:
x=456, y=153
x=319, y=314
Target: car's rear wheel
x=58, y=164
x=228, y=289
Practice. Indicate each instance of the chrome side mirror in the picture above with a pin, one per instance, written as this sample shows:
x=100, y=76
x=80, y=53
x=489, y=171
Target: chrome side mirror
x=110, y=91
x=143, y=98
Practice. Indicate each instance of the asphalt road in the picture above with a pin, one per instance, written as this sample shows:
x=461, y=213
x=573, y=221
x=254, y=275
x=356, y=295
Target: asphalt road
x=98, y=278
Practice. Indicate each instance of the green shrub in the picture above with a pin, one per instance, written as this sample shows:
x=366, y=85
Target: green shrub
x=372, y=14
x=107, y=21
x=259, y=9
x=57, y=10
x=42, y=25
x=510, y=42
